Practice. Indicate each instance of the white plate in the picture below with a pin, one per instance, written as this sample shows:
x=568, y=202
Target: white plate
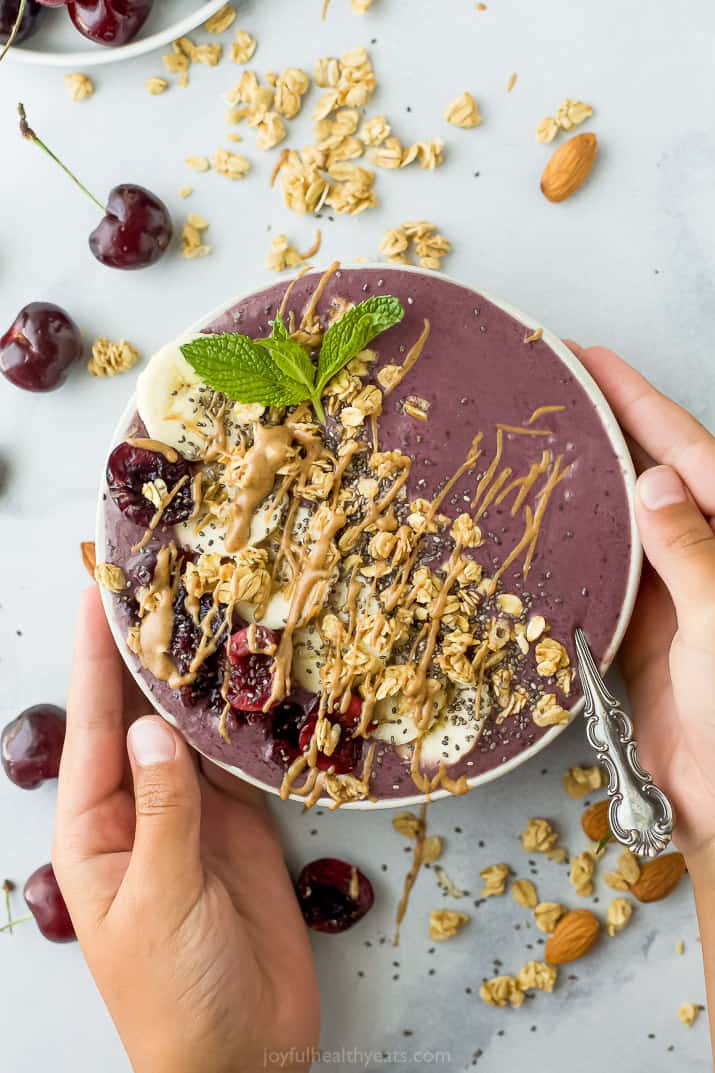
x=56, y=42
x=620, y=450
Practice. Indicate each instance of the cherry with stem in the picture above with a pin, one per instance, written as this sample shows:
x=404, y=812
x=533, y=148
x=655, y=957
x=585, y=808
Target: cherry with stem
x=135, y=228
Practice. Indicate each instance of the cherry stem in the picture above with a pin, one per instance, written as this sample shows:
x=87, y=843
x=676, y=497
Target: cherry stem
x=27, y=132
x=15, y=28
x=19, y=920
x=6, y=888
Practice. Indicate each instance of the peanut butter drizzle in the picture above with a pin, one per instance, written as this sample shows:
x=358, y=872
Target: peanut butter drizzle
x=413, y=872
x=157, y=446
x=412, y=355
x=271, y=450
x=541, y=411
x=318, y=566
x=158, y=513
x=309, y=314
x=156, y=626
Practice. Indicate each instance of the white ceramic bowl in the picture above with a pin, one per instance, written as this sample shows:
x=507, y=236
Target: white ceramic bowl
x=56, y=42
x=620, y=449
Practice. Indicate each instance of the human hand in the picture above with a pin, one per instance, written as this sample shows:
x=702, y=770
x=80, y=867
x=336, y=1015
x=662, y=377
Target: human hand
x=176, y=885
x=668, y=656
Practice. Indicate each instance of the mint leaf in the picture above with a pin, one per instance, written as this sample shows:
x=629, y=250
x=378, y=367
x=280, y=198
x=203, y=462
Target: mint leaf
x=351, y=334
x=279, y=330
x=292, y=359
x=240, y=369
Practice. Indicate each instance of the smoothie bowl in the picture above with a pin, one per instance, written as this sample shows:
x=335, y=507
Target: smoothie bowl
x=348, y=526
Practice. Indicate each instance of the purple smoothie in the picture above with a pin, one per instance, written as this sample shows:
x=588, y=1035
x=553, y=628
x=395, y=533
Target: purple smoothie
x=475, y=371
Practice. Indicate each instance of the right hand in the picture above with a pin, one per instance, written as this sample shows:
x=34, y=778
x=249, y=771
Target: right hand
x=668, y=656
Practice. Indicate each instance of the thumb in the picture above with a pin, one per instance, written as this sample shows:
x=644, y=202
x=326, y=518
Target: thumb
x=168, y=807
x=680, y=545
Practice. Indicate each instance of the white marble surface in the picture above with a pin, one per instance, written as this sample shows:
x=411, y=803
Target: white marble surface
x=629, y=262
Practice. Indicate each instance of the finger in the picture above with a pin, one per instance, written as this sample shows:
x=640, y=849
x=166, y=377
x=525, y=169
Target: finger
x=680, y=545
x=93, y=756
x=166, y=853
x=667, y=432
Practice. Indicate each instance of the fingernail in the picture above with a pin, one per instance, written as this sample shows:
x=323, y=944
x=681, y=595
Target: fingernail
x=151, y=742
x=661, y=487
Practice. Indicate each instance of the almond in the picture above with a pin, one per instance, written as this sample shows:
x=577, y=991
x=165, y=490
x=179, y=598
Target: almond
x=569, y=167
x=573, y=937
x=659, y=877
x=595, y=821
x=89, y=556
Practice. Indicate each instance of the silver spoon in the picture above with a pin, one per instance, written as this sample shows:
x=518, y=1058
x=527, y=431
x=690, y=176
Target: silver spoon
x=640, y=815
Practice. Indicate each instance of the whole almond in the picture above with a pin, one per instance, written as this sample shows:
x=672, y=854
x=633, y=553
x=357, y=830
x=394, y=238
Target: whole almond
x=569, y=167
x=573, y=936
x=595, y=821
x=659, y=877
x=89, y=556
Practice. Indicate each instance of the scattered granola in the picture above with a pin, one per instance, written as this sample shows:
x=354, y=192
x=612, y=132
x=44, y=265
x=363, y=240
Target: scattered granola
x=680, y=947
x=243, y=47
x=502, y=991
x=185, y=191
x=446, y=923
x=583, y=866
x=282, y=255
x=534, y=336
x=446, y=885
x=110, y=577
x=495, y=877
x=110, y=358
x=569, y=114
x=688, y=1014
x=192, y=244
x=291, y=87
x=232, y=165
x=221, y=20
x=548, y=712
x=155, y=85
x=619, y=913
x=407, y=824
x=463, y=112
x=524, y=893
x=512, y=82
x=79, y=86
x=537, y=976
x=540, y=837
x=361, y=7
x=547, y=915
x=431, y=849
x=627, y=872
x=429, y=245
x=198, y=163
x=579, y=781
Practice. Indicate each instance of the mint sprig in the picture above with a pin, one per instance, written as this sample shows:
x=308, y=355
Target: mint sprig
x=277, y=371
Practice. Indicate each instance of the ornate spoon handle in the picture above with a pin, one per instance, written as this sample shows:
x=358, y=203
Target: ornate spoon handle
x=640, y=815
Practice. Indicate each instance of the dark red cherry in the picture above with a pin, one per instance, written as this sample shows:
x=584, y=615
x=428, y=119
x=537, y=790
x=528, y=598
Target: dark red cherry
x=135, y=231
x=109, y=22
x=333, y=895
x=129, y=468
x=39, y=348
x=47, y=905
x=28, y=22
x=346, y=756
x=31, y=745
x=250, y=677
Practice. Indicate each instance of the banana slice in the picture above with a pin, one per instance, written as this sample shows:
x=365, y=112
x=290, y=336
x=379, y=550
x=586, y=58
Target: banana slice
x=275, y=615
x=171, y=399
x=455, y=733
x=212, y=535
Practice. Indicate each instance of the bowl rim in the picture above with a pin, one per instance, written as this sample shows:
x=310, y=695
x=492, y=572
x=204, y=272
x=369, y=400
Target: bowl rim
x=100, y=55
x=620, y=448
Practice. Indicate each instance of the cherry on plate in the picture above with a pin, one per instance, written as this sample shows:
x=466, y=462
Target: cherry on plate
x=31, y=745
x=39, y=348
x=251, y=675
x=135, y=229
x=109, y=22
x=8, y=18
x=47, y=906
x=333, y=895
x=129, y=468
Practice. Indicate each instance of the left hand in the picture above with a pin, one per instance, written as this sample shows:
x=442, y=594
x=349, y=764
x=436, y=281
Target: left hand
x=176, y=884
